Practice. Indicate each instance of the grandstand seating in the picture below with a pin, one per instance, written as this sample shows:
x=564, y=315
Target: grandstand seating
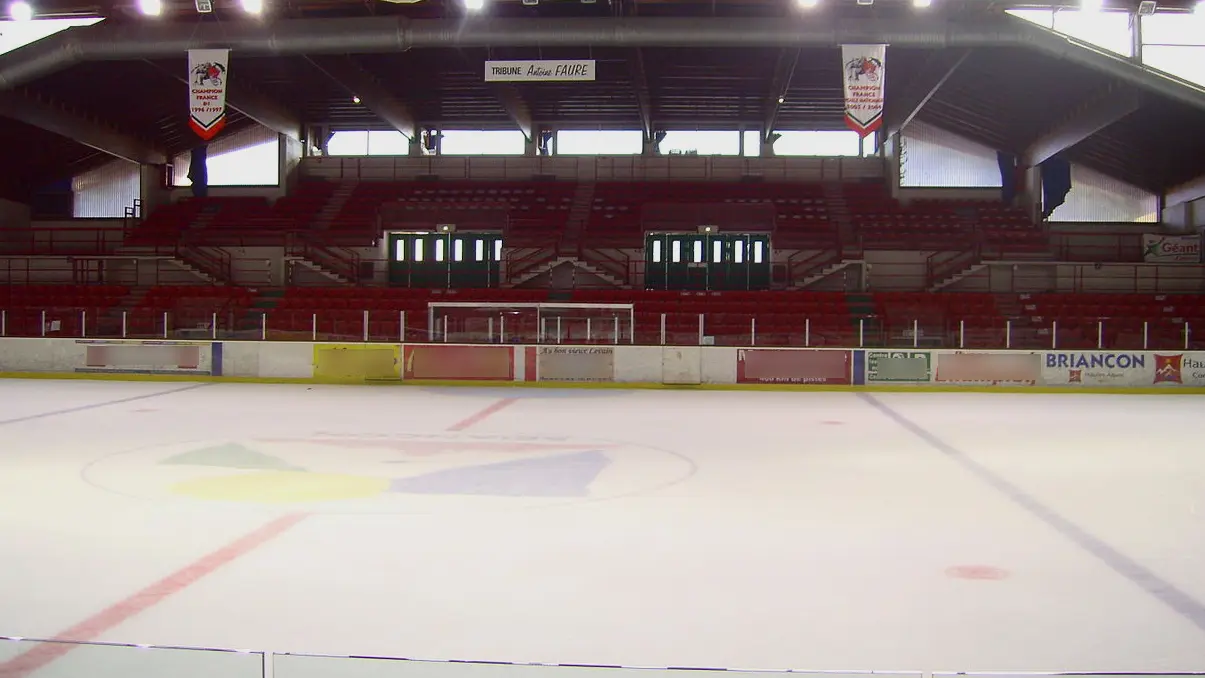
x=189, y=307
x=538, y=212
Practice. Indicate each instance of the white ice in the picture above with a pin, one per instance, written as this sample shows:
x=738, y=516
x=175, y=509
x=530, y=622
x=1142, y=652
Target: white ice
x=730, y=529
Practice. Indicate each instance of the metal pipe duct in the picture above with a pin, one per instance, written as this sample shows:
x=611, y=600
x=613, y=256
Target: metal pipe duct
x=150, y=40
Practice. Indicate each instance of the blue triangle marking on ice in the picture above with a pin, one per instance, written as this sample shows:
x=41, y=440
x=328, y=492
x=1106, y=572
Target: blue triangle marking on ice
x=566, y=475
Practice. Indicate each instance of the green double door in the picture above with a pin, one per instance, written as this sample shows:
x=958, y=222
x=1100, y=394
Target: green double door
x=445, y=260
x=697, y=261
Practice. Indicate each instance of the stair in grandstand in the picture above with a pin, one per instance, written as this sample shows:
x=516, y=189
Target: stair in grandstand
x=862, y=307
x=334, y=205
x=250, y=325
x=838, y=210
x=579, y=214
x=577, y=264
x=110, y=324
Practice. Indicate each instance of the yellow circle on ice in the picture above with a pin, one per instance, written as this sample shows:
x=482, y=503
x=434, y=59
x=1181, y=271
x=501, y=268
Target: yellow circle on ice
x=282, y=487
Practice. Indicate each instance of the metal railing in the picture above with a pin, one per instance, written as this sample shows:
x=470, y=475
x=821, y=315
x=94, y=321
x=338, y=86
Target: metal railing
x=409, y=324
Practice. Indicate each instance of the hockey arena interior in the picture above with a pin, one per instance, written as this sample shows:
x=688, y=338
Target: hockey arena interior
x=542, y=338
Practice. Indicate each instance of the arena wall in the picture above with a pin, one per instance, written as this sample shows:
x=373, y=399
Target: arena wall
x=607, y=366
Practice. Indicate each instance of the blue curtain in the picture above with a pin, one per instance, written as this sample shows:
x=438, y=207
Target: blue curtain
x=1009, y=178
x=1056, y=184
x=198, y=173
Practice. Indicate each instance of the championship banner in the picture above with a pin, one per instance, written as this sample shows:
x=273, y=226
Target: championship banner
x=581, y=70
x=865, y=73
x=1165, y=249
x=207, y=91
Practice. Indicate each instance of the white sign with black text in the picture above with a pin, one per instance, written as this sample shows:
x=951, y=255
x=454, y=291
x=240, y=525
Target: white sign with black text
x=549, y=70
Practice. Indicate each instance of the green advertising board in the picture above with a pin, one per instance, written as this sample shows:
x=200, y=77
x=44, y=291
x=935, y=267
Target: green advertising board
x=897, y=366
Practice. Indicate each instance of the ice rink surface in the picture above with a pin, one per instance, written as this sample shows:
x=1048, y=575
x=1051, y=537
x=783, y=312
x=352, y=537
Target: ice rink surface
x=811, y=530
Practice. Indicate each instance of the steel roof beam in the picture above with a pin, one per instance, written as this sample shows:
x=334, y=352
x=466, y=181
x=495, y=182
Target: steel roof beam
x=141, y=40
x=515, y=106
x=55, y=117
x=780, y=83
x=937, y=69
x=644, y=99
x=1085, y=119
x=359, y=83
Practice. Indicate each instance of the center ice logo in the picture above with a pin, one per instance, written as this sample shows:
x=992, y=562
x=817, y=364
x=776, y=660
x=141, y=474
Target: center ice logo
x=390, y=473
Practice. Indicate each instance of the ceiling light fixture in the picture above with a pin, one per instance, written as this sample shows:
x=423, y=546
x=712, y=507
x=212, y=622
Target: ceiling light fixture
x=151, y=7
x=807, y=4
x=921, y=4
x=20, y=11
x=355, y=100
x=474, y=5
x=253, y=6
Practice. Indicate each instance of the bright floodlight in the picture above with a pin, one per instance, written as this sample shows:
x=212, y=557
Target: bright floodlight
x=151, y=7
x=20, y=11
x=921, y=4
x=474, y=5
x=807, y=4
x=253, y=6
x=1201, y=8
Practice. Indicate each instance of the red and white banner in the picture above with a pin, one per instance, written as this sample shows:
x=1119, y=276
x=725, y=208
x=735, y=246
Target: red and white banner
x=864, y=70
x=207, y=71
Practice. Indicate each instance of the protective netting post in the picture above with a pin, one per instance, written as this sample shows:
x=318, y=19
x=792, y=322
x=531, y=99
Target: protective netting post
x=3, y=323
x=861, y=332
x=962, y=334
x=489, y=330
x=313, y=327
x=1145, y=334
x=1054, y=335
x=589, y=332
x=807, y=331
x=502, y=329
x=165, y=324
x=700, y=329
x=263, y=326
x=1008, y=334
x=753, y=331
x=365, y=326
x=124, y=325
x=401, y=326
x=1187, y=334
x=615, y=330
x=44, y=324
x=663, y=329
x=915, y=333
x=1100, y=334
x=83, y=323
x=213, y=326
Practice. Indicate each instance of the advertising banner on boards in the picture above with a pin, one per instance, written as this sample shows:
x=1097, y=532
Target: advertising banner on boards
x=864, y=70
x=435, y=361
x=1171, y=249
x=792, y=366
x=207, y=72
x=884, y=367
x=147, y=357
x=547, y=70
x=1123, y=369
x=573, y=363
x=982, y=367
